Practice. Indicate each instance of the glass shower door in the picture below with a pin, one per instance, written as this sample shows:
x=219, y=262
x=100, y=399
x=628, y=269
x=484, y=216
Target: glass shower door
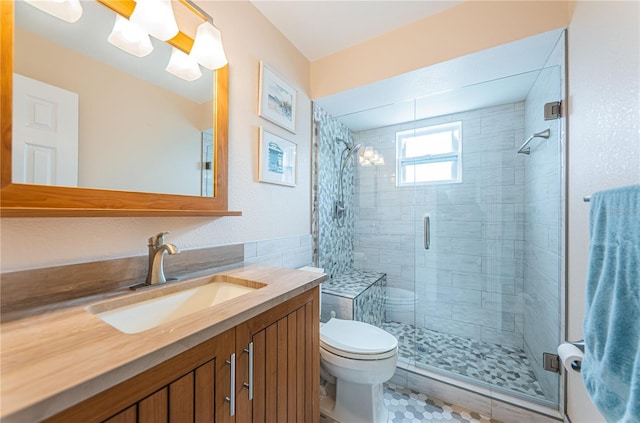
x=489, y=244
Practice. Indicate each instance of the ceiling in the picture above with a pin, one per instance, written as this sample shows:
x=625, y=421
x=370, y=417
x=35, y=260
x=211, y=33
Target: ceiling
x=501, y=75
x=320, y=28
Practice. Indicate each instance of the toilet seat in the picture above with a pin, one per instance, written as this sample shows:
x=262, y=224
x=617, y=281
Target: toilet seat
x=357, y=340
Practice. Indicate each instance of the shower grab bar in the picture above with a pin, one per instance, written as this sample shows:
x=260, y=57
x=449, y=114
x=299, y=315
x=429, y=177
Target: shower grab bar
x=527, y=150
x=427, y=232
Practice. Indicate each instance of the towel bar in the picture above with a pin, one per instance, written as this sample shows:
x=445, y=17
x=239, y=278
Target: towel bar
x=586, y=198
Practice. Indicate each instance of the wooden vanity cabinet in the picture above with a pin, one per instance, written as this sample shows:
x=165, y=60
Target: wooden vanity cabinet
x=286, y=356
x=195, y=386
x=190, y=387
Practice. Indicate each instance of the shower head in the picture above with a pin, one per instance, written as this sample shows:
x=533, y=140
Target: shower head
x=350, y=149
x=353, y=150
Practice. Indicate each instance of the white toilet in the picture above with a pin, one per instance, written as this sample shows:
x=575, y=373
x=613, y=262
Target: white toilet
x=356, y=358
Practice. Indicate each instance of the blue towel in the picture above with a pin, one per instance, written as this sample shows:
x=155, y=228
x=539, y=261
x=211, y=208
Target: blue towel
x=611, y=364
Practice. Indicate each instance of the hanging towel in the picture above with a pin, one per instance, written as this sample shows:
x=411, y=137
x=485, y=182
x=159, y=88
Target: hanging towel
x=611, y=364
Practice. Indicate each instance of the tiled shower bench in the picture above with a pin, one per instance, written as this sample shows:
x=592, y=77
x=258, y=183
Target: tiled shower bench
x=355, y=295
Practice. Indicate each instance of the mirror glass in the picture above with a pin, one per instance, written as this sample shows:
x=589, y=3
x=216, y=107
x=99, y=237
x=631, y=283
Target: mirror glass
x=87, y=114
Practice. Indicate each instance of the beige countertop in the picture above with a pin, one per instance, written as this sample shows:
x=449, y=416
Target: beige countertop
x=53, y=360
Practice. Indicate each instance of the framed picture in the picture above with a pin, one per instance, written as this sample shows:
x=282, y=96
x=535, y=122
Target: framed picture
x=277, y=99
x=277, y=160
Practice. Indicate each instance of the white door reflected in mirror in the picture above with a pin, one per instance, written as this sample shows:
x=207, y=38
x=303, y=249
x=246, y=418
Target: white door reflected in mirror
x=45, y=134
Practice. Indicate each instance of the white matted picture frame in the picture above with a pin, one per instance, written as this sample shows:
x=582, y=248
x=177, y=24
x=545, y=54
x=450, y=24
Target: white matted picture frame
x=278, y=159
x=277, y=99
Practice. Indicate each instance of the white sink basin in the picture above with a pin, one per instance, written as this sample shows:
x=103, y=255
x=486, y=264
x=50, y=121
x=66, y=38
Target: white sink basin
x=146, y=313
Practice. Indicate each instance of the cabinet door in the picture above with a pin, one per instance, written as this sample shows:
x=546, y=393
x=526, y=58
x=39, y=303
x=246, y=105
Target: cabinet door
x=285, y=378
x=190, y=387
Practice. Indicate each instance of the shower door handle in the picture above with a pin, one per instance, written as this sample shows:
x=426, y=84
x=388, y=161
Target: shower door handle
x=427, y=232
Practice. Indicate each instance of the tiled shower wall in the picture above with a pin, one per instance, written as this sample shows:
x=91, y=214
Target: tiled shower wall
x=334, y=237
x=470, y=282
x=543, y=224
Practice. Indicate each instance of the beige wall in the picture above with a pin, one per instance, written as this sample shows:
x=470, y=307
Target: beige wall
x=464, y=29
x=604, y=140
x=269, y=211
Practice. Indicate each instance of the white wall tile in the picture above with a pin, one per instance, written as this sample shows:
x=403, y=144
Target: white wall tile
x=476, y=225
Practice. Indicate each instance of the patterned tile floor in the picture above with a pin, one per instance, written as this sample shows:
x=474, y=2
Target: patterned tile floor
x=497, y=365
x=407, y=406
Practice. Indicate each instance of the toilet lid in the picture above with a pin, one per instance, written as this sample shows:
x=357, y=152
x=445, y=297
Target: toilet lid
x=355, y=337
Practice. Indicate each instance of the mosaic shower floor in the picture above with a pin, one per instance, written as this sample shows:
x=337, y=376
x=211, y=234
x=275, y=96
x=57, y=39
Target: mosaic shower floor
x=497, y=365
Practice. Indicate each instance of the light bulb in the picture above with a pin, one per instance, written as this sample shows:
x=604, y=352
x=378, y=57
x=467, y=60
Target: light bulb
x=67, y=10
x=130, y=37
x=207, y=47
x=156, y=18
x=183, y=66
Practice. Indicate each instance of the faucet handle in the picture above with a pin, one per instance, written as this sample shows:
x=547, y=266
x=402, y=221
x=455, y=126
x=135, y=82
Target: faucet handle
x=158, y=239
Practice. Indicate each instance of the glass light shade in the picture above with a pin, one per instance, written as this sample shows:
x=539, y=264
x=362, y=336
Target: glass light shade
x=156, y=18
x=368, y=153
x=67, y=10
x=183, y=66
x=207, y=47
x=129, y=37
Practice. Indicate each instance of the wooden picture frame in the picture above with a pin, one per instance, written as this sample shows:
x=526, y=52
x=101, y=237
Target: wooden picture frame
x=277, y=159
x=277, y=99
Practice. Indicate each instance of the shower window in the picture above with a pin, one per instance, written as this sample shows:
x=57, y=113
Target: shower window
x=429, y=154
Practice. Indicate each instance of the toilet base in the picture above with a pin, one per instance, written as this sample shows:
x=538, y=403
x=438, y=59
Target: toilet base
x=349, y=402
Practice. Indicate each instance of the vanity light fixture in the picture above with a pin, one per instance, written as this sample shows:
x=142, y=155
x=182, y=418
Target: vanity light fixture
x=67, y=10
x=136, y=20
x=207, y=47
x=130, y=37
x=183, y=66
x=156, y=18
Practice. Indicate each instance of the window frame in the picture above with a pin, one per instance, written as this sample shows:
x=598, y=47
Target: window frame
x=402, y=162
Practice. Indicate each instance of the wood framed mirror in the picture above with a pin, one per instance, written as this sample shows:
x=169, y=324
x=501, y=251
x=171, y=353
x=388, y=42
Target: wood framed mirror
x=34, y=200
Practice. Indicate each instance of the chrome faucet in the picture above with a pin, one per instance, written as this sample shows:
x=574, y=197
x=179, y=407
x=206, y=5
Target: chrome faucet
x=157, y=250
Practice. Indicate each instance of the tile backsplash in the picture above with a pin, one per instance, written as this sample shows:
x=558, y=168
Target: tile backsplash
x=292, y=252
x=40, y=288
